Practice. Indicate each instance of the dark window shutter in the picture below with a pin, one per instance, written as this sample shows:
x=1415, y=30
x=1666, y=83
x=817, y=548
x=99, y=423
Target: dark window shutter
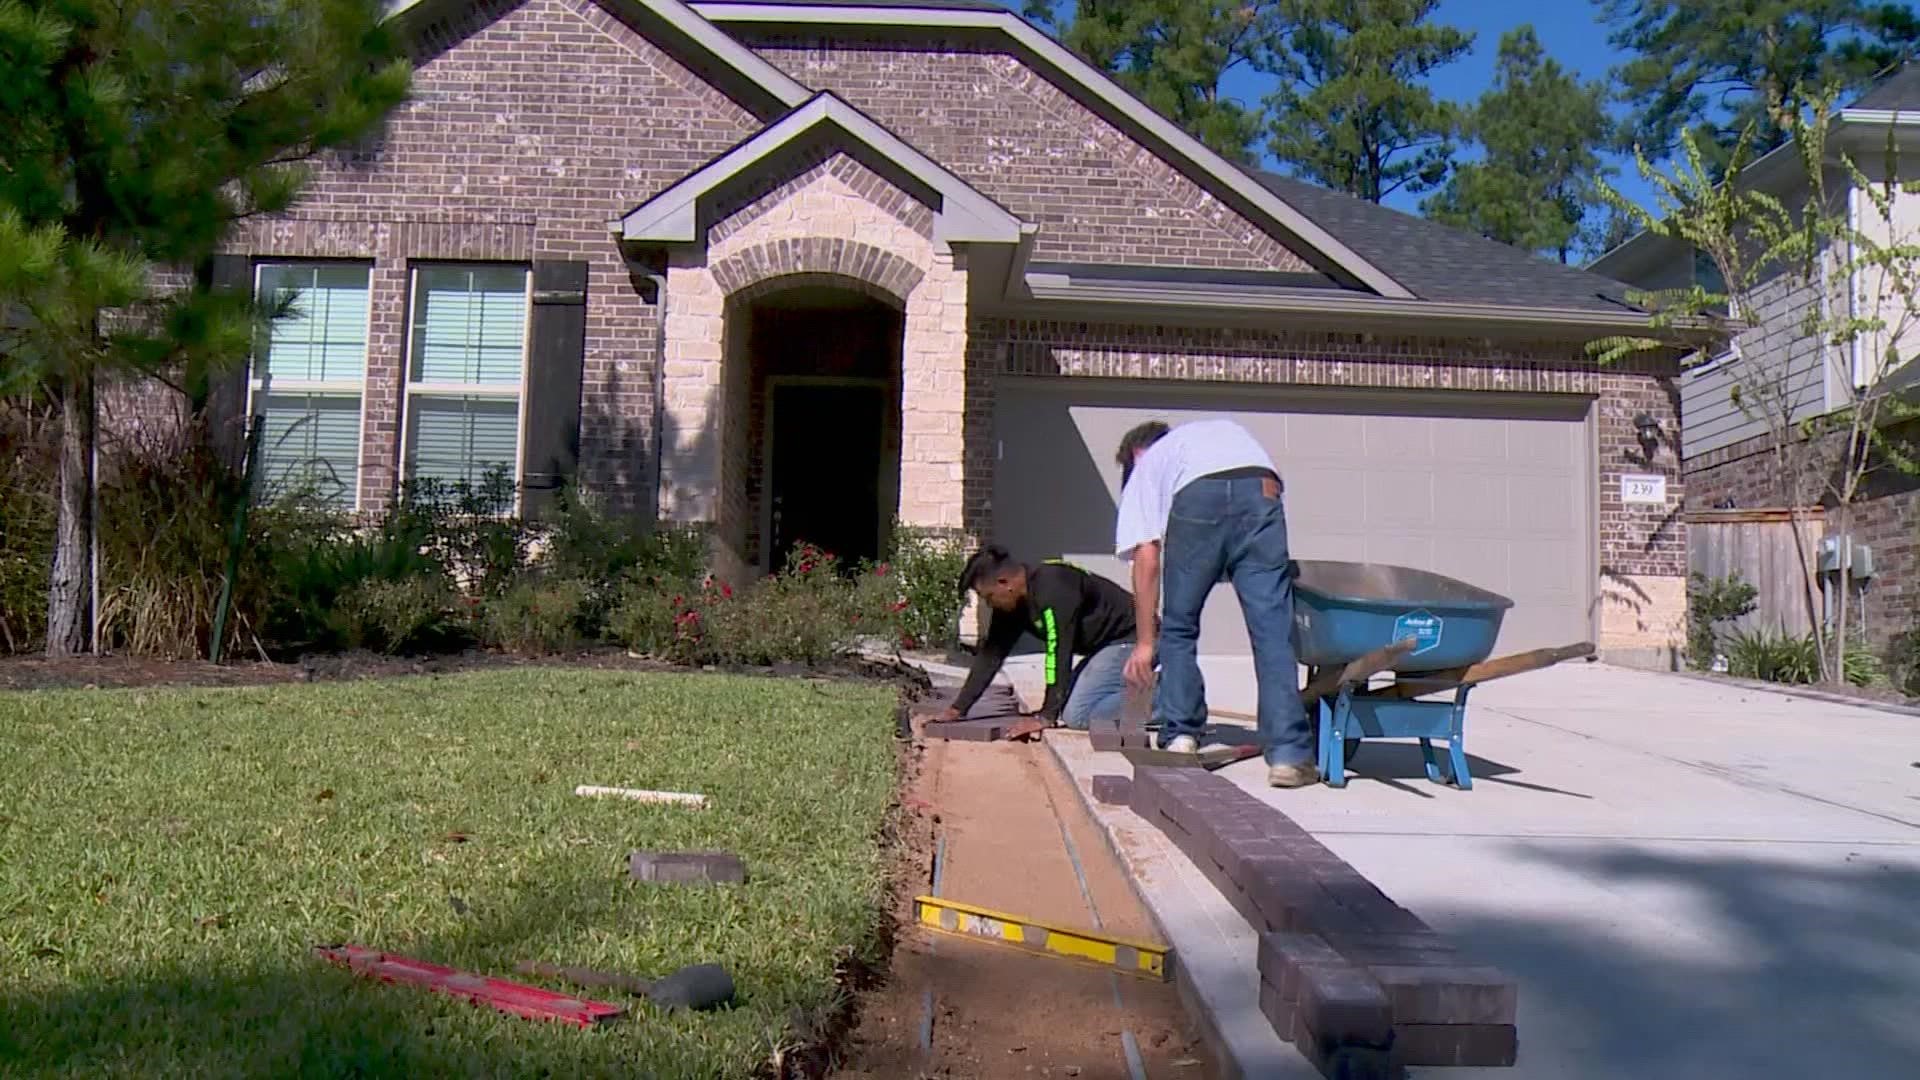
x=558, y=337
x=226, y=403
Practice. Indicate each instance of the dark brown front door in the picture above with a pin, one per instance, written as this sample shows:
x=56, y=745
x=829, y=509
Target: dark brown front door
x=825, y=469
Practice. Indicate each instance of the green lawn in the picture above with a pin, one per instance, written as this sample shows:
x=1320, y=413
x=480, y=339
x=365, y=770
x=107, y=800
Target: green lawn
x=169, y=857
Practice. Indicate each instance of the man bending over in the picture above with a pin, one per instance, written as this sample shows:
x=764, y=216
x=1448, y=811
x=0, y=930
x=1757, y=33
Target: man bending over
x=1073, y=613
x=1200, y=504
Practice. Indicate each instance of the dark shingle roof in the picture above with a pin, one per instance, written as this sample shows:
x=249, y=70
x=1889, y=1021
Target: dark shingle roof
x=1444, y=264
x=1900, y=90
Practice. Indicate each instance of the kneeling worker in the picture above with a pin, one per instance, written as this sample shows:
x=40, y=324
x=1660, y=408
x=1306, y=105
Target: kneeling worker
x=1072, y=612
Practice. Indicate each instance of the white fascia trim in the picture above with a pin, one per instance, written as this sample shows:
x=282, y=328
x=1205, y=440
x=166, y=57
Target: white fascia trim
x=964, y=215
x=1085, y=75
x=723, y=46
x=1061, y=287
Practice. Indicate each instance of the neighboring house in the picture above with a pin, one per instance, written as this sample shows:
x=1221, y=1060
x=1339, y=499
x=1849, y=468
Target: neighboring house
x=795, y=269
x=1727, y=462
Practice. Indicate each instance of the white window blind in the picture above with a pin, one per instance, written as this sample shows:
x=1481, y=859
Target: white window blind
x=469, y=343
x=311, y=368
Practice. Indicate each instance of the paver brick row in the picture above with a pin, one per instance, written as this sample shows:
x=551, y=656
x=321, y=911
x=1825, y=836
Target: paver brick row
x=1291, y=887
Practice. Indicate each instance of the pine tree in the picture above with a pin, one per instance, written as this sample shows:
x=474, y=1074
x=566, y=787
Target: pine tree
x=1174, y=54
x=1709, y=65
x=136, y=133
x=1541, y=130
x=1353, y=110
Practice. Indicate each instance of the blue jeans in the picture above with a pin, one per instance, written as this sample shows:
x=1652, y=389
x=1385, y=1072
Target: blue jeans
x=1229, y=530
x=1099, y=687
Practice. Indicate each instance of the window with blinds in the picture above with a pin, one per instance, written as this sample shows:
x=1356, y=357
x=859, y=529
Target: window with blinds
x=308, y=377
x=467, y=356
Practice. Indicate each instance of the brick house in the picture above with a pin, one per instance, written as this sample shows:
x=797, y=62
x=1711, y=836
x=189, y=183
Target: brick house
x=1731, y=476
x=798, y=270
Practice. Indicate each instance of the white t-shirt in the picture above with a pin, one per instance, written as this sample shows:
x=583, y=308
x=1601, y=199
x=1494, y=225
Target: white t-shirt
x=1183, y=455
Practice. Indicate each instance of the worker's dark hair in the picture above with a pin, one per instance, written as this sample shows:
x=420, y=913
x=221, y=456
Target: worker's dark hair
x=983, y=564
x=1135, y=441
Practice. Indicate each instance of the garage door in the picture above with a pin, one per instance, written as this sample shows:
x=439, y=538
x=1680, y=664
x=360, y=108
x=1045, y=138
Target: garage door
x=1493, y=490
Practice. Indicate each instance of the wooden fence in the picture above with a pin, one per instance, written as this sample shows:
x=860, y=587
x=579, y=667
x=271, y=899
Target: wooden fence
x=1758, y=545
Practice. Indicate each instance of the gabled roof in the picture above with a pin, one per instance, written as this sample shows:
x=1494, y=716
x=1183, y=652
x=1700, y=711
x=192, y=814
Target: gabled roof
x=1090, y=85
x=1891, y=103
x=1900, y=90
x=732, y=67
x=961, y=214
x=1448, y=265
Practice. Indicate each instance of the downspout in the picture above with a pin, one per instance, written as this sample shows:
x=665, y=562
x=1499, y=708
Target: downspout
x=658, y=438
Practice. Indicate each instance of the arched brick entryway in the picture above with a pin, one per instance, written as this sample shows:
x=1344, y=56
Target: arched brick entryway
x=821, y=228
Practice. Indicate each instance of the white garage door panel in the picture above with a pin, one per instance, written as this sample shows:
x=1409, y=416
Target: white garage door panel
x=1502, y=499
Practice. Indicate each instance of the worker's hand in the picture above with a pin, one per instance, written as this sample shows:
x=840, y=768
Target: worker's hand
x=947, y=715
x=1140, y=667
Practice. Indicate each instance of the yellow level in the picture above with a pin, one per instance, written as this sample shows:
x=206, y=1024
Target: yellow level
x=1145, y=959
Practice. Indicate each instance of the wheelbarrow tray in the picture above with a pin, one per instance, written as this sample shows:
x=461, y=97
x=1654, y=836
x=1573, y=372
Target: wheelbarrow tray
x=1343, y=611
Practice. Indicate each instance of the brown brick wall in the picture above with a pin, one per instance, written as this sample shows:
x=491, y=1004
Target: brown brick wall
x=1886, y=517
x=532, y=125
x=1634, y=541
x=1097, y=195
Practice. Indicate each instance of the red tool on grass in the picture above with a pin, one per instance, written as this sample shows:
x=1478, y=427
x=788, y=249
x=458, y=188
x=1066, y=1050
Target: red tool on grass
x=509, y=997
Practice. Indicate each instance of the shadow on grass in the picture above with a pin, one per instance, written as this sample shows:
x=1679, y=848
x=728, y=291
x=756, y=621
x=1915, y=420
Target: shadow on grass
x=1769, y=968
x=303, y=1016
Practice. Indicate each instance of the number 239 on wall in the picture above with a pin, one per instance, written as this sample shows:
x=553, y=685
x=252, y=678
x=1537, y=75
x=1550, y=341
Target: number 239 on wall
x=1636, y=488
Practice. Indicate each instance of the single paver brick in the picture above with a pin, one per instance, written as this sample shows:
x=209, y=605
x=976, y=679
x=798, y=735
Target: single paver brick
x=1342, y=1002
x=1486, y=1045
x=975, y=730
x=1462, y=994
x=1113, y=790
x=686, y=867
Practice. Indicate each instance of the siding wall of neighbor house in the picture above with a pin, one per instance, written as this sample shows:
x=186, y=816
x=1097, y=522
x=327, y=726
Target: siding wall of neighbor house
x=1097, y=195
x=1777, y=349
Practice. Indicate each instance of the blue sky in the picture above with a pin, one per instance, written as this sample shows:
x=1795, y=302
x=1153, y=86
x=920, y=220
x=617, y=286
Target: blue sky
x=1570, y=31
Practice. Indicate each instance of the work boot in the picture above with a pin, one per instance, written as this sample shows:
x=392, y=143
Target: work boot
x=1292, y=776
x=1182, y=744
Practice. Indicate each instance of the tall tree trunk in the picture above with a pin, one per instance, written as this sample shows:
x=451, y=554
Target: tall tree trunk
x=69, y=594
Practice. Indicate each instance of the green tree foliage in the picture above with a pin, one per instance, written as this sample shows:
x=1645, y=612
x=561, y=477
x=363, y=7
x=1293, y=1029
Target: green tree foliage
x=1709, y=65
x=1353, y=110
x=1542, y=130
x=136, y=133
x=1174, y=54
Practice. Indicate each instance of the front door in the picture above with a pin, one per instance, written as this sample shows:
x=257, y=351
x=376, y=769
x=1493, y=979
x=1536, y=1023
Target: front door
x=824, y=469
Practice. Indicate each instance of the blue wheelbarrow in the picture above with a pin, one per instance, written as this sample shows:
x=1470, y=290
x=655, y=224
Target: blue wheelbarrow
x=1353, y=622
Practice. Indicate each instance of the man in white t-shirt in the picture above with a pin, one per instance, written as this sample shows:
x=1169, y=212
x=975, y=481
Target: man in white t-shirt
x=1200, y=504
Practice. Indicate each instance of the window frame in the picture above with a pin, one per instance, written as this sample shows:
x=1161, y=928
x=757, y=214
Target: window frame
x=262, y=383
x=411, y=387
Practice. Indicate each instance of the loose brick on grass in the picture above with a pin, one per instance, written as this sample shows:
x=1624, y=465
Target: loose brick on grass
x=687, y=867
x=1113, y=790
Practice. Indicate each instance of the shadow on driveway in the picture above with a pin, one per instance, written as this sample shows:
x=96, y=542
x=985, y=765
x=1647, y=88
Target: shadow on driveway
x=1813, y=971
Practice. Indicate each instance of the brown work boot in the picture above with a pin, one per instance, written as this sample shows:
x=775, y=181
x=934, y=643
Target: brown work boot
x=1292, y=776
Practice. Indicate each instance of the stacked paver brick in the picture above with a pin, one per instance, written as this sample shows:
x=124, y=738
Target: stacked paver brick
x=1360, y=985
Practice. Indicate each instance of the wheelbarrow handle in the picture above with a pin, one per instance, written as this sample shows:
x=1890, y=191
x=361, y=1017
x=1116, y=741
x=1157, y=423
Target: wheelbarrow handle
x=1486, y=670
x=1356, y=670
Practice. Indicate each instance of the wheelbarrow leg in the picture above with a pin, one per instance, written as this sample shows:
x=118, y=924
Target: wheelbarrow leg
x=1335, y=716
x=1433, y=767
x=1456, y=742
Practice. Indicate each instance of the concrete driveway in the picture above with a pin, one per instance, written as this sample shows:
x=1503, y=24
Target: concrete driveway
x=1688, y=879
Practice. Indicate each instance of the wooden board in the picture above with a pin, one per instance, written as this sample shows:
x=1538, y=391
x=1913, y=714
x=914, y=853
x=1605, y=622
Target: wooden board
x=1434, y=682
